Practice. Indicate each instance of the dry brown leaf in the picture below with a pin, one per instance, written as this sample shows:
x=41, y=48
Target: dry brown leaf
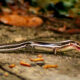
x=19, y=20
x=77, y=21
x=73, y=31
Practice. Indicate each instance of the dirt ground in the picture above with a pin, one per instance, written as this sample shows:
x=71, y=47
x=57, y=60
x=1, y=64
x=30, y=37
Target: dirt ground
x=68, y=62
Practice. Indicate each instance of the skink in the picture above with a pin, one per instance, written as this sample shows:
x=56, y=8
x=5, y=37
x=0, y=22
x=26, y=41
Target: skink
x=57, y=46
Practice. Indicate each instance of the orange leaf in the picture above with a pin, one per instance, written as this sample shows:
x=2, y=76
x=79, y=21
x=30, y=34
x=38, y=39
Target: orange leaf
x=25, y=64
x=37, y=59
x=49, y=66
x=19, y=20
x=6, y=74
x=12, y=65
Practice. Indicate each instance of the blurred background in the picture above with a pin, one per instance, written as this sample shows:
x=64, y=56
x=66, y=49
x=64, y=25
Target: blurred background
x=63, y=7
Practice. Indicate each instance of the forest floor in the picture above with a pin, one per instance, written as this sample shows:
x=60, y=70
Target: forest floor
x=68, y=62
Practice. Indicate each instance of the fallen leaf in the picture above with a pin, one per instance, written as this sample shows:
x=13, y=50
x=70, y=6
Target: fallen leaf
x=50, y=66
x=12, y=65
x=64, y=30
x=25, y=64
x=19, y=20
x=72, y=31
x=37, y=59
x=60, y=30
x=77, y=21
x=6, y=74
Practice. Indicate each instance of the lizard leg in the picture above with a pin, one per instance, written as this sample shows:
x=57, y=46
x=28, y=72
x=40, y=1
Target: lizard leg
x=55, y=50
